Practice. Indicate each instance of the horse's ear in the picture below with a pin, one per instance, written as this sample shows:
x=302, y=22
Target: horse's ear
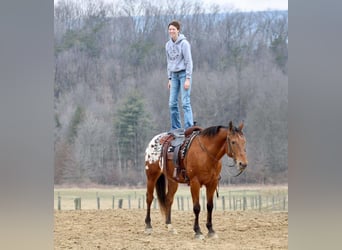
x=230, y=126
x=241, y=126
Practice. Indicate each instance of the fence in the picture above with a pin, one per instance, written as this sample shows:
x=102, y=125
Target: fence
x=228, y=201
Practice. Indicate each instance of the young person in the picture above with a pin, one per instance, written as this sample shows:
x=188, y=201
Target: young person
x=179, y=70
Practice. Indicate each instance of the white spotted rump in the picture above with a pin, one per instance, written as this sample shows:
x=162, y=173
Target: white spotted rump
x=153, y=150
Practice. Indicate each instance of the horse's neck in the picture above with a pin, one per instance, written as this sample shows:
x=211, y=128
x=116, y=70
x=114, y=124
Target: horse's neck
x=216, y=144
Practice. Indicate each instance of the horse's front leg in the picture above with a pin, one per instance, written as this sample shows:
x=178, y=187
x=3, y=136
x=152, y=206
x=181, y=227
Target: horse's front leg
x=172, y=188
x=195, y=191
x=210, y=189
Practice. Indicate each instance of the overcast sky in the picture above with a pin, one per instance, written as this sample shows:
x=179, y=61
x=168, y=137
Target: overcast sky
x=251, y=5
x=243, y=5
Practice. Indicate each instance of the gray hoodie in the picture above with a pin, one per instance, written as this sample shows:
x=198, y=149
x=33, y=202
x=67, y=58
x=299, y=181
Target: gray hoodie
x=178, y=56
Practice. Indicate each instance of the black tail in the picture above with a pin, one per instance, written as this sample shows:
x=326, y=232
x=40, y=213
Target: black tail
x=161, y=192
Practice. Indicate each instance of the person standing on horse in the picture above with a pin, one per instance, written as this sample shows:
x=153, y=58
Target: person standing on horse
x=179, y=70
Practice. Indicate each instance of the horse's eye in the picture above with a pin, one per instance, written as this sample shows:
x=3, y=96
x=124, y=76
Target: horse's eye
x=233, y=142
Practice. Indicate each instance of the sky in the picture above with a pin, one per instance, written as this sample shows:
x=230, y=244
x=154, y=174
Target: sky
x=251, y=5
x=242, y=5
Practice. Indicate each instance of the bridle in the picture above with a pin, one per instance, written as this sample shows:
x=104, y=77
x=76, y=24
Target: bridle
x=229, y=147
x=229, y=151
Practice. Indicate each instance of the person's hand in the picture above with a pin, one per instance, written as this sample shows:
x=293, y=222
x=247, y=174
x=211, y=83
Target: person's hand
x=187, y=84
x=169, y=84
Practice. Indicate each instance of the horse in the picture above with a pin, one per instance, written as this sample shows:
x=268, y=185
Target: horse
x=202, y=165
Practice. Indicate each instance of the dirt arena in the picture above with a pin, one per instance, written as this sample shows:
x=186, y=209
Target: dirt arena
x=124, y=229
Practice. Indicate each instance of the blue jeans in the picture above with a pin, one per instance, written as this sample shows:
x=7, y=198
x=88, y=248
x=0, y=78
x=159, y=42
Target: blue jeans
x=177, y=85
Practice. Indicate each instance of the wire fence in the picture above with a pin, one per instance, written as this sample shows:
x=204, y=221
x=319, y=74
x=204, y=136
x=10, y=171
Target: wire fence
x=228, y=201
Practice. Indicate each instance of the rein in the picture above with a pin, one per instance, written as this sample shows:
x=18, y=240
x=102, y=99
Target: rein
x=206, y=150
x=229, y=150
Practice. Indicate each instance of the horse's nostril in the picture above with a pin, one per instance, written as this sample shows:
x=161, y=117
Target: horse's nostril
x=242, y=165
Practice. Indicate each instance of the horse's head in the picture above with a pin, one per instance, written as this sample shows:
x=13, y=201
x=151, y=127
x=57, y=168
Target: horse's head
x=236, y=146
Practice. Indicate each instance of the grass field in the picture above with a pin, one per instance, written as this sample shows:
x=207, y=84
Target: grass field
x=230, y=198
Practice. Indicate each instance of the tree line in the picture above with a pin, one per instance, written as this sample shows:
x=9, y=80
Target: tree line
x=111, y=92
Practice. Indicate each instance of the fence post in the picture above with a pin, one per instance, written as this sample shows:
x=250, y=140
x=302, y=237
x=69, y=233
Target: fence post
x=77, y=202
x=272, y=202
x=120, y=202
x=182, y=203
x=129, y=202
x=203, y=202
x=139, y=200
x=260, y=202
x=223, y=204
x=98, y=200
x=113, y=202
x=178, y=205
x=244, y=203
x=155, y=203
x=59, y=202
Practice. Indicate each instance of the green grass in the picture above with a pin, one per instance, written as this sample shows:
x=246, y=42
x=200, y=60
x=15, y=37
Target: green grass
x=136, y=196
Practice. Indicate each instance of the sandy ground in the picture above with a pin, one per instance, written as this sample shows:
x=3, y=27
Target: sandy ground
x=124, y=229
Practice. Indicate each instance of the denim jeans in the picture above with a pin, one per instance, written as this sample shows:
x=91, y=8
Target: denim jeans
x=177, y=85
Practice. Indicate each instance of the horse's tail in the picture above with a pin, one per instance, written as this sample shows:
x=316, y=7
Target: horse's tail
x=161, y=192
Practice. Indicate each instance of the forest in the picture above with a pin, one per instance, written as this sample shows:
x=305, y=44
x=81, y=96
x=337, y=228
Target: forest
x=111, y=95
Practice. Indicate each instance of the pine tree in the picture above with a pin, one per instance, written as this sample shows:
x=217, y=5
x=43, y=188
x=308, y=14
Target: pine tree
x=133, y=127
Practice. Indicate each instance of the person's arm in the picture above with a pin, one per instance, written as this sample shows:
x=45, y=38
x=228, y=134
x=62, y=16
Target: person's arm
x=187, y=58
x=167, y=62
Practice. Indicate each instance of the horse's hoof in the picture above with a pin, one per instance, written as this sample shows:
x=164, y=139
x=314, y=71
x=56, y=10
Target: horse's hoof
x=170, y=229
x=199, y=237
x=148, y=231
x=212, y=236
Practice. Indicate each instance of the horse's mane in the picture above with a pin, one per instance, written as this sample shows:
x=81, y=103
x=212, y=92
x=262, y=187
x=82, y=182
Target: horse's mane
x=211, y=131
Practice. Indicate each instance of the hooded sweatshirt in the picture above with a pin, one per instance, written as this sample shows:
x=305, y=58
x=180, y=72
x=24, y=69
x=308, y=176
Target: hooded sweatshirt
x=178, y=56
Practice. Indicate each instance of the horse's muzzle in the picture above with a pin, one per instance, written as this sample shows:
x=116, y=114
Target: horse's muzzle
x=242, y=166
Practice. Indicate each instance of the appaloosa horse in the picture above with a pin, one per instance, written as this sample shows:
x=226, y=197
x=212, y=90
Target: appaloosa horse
x=199, y=164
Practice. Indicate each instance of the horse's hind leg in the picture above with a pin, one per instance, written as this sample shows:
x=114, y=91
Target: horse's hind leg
x=149, y=199
x=172, y=188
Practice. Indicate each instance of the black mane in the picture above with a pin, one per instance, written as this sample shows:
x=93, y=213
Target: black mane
x=211, y=131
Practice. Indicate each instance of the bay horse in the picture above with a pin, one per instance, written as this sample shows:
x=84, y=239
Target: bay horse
x=202, y=165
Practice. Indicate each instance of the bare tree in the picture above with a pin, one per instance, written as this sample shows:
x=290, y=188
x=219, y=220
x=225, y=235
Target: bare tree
x=105, y=51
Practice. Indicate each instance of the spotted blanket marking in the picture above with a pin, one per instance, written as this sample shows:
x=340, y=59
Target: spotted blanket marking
x=153, y=150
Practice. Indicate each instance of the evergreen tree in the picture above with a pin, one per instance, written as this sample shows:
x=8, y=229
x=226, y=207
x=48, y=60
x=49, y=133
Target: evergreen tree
x=75, y=121
x=132, y=128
